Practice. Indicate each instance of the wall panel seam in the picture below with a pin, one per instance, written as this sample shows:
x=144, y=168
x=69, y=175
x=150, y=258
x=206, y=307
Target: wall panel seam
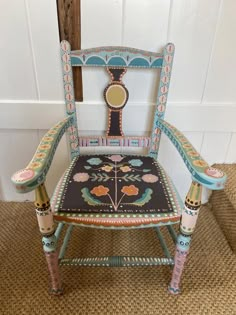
x=212, y=48
x=123, y=22
x=228, y=147
x=32, y=49
x=169, y=21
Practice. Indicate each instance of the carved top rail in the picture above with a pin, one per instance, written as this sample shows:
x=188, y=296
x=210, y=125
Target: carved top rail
x=115, y=56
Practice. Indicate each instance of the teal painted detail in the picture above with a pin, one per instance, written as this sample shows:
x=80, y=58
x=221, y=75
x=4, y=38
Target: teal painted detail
x=157, y=63
x=95, y=61
x=172, y=233
x=117, y=61
x=89, y=198
x=59, y=230
x=183, y=242
x=135, y=162
x=173, y=290
x=146, y=196
x=104, y=227
x=65, y=241
x=163, y=242
x=139, y=62
x=76, y=61
x=161, y=102
x=49, y=243
x=94, y=161
x=203, y=181
x=116, y=56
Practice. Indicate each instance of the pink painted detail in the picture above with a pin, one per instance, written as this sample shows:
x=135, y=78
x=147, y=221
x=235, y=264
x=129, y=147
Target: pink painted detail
x=68, y=87
x=167, y=69
x=70, y=107
x=150, y=178
x=69, y=97
x=161, y=108
x=65, y=46
x=74, y=145
x=164, y=89
x=23, y=175
x=162, y=99
x=53, y=268
x=72, y=129
x=188, y=221
x=180, y=258
x=65, y=57
x=73, y=137
x=67, y=78
x=45, y=221
x=67, y=67
x=116, y=158
x=168, y=58
x=170, y=48
x=165, y=79
x=81, y=177
x=213, y=172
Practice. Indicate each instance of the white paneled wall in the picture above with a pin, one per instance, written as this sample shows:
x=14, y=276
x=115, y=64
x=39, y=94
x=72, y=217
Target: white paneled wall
x=202, y=99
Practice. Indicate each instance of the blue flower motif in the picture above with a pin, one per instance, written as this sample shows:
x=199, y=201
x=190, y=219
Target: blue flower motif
x=136, y=162
x=94, y=161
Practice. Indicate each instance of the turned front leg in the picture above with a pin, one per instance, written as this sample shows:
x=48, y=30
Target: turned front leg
x=46, y=227
x=187, y=225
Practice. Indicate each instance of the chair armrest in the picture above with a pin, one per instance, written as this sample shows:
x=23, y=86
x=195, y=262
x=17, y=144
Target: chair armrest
x=35, y=172
x=202, y=173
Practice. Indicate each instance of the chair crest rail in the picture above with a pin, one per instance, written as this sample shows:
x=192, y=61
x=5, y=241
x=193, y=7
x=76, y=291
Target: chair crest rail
x=115, y=56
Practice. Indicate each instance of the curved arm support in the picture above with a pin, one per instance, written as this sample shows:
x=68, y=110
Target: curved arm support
x=202, y=173
x=35, y=172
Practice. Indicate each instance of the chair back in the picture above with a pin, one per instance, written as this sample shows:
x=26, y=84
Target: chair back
x=116, y=61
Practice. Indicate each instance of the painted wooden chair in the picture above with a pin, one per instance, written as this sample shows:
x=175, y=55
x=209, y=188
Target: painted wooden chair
x=116, y=191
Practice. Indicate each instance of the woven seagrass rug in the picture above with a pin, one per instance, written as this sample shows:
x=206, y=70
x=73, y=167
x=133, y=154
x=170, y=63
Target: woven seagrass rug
x=209, y=281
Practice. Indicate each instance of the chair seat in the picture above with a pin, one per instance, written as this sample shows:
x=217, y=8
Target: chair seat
x=116, y=190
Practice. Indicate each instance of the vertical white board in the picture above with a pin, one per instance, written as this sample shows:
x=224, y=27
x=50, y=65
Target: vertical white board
x=145, y=26
x=43, y=26
x=101, y=25
x=192, y=28
x=59, y=164
x=17, y=78
x=173, y=163
x=19, y=147
x=215, y=147
x=220, y=84
x=231, y=154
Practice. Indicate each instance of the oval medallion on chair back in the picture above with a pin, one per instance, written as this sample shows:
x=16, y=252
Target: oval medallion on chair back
x=116, y=60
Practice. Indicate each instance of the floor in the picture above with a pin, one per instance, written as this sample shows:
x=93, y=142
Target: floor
x=208, y=286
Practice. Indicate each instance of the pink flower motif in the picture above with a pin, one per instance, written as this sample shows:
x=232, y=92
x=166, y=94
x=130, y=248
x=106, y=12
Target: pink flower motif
x=149, y=178
x=116, y=158
x=81, y=177
x=214, y=172
x=23, y=175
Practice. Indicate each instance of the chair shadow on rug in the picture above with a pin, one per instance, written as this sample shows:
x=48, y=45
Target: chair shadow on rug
x=116, y=191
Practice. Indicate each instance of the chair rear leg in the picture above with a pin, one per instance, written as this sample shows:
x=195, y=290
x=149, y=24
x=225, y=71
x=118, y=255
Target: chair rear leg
x=187, y=225
x=47, y=229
